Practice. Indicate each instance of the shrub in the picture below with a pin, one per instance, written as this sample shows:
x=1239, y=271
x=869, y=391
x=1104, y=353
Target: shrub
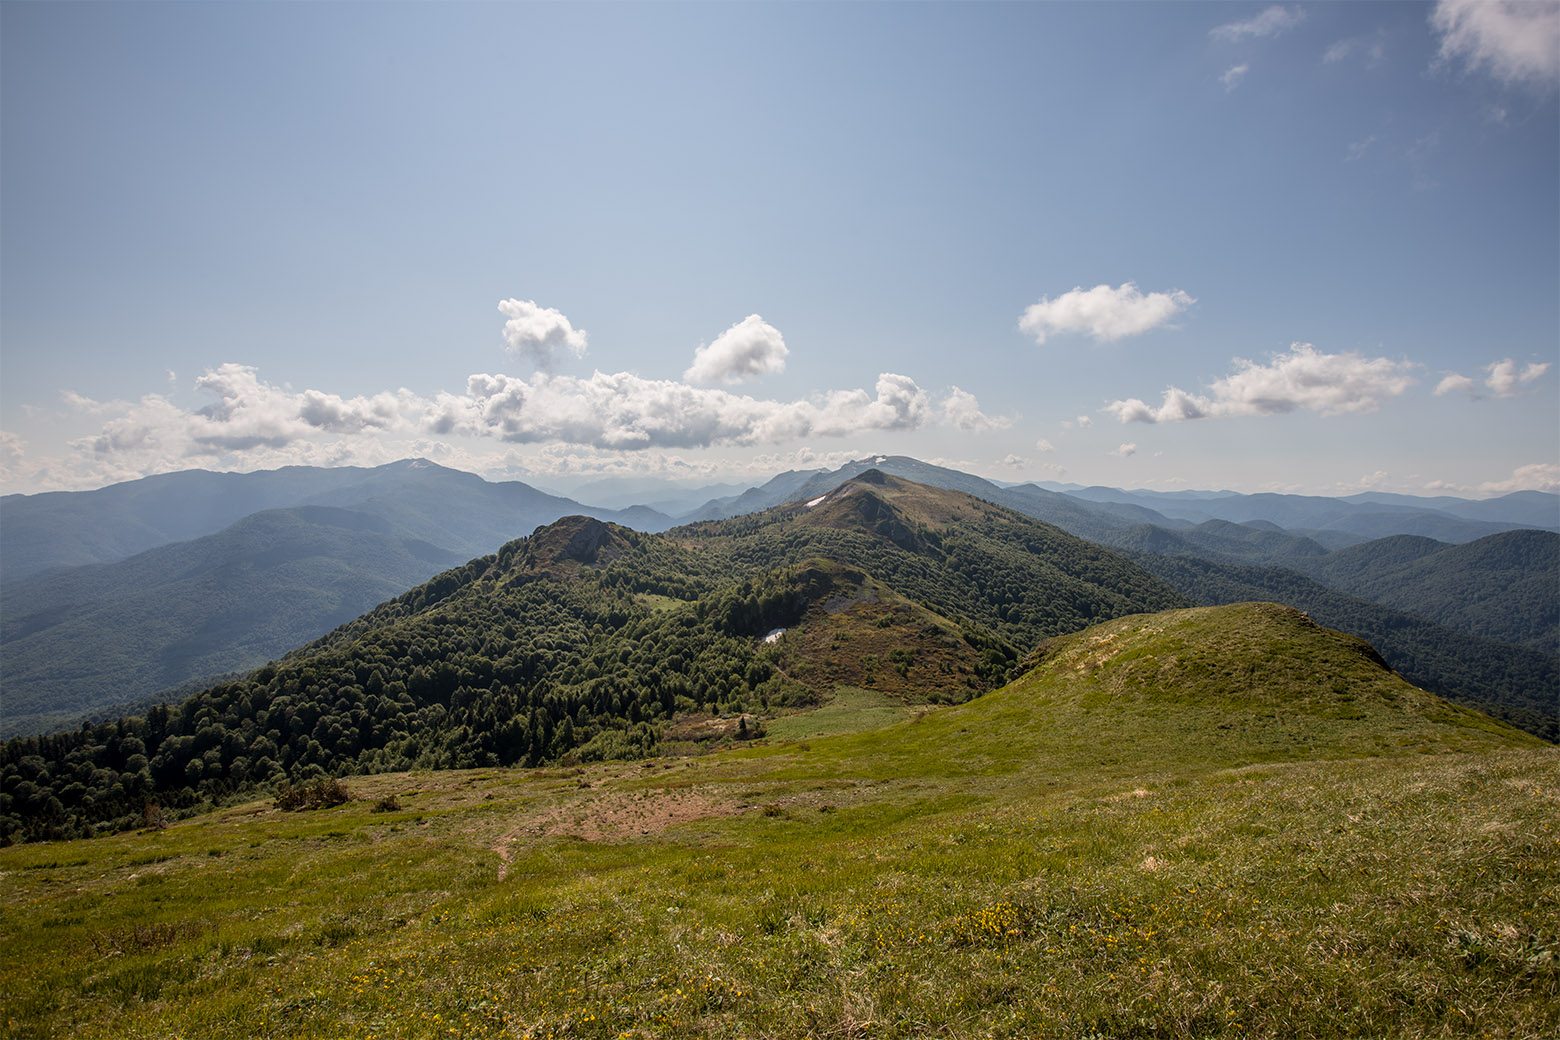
x=320, y=793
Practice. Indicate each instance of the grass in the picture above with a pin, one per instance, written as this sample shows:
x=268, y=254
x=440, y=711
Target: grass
x=851, y=710
x=1046, y=861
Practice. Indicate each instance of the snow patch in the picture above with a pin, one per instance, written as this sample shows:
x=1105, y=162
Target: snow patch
x=817, y=501
x=774, y=634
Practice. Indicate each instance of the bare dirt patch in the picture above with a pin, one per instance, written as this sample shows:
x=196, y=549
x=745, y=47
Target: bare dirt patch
x=615, y=816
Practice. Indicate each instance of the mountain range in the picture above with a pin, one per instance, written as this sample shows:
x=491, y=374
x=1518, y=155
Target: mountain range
x=112, y=597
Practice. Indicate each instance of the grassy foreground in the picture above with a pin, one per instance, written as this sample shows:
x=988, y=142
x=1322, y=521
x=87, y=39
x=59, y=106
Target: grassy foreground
x=1064, y=858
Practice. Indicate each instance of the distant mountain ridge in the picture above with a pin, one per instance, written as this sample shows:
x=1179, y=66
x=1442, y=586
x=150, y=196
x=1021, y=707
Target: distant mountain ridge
x=457, y=511
x=324, y=546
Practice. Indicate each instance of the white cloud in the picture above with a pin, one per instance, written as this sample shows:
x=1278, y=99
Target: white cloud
x=1304, y=379
x=1453, y=383
x=1271, y=22
x=1517, y=41
x=750, y=348
x=1233, y=75
x=1103, y=312
x=1537, y=476
x=78, y=403
x=1126, y=451
x=625, y=411
x=539, y=333
x=963, y=410
x=1044, y=445
x=1503, y=378
x=1374, y=50
x=1338, y=51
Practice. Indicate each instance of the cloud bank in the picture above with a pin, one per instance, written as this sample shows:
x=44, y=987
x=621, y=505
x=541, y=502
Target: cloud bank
x=1305, y=379
x=1102, y=312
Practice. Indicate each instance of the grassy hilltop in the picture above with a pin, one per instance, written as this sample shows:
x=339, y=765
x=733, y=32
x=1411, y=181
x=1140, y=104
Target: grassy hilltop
x=1216, y=822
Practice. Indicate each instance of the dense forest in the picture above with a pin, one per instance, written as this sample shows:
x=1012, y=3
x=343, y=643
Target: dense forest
x=582, y=641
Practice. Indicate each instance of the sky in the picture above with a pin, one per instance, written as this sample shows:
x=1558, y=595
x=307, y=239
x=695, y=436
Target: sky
x=1300, y=247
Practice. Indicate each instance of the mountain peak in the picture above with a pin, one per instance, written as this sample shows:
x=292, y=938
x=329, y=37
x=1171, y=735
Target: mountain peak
x=577, y=539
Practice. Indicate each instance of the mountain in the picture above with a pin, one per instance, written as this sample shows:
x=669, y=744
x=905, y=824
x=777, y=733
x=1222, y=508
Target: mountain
x=459, y=512
x=79, y=640
x=1219, y=822
x=1358, y=518
x=86, y=638
x=1533, y=509
x=1504, y=587
x=586, y=638
x=1084, y=519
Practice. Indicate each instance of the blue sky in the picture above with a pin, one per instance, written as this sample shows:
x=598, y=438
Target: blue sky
x=1259, y=247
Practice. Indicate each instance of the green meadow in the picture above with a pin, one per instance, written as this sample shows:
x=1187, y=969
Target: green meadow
x=1167, y=829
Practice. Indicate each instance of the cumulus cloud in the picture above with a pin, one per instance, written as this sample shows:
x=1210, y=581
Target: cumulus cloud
x=1503, y=378
x=1515, y=40
x=625, y=411
x=1271, y=22
x=1102, y=312
x=1126, y=451
x=750, y=348
x=539, y=334
x=1452, y=383
x=248, y=414
x=1044, y=445
x=961, y=409
x=1537, y=476
x=1233, y=75
x=1303, y=379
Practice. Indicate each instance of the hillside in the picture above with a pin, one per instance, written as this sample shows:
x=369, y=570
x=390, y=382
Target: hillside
x=1504, y=587
x=1511, y=682
x=1215, y=822
x=586, y=639
x=106, y=634
x=459, y=512
x=193, y=582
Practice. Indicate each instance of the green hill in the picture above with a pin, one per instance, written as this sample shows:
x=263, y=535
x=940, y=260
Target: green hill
x=1221, y=822
x=1519, y=685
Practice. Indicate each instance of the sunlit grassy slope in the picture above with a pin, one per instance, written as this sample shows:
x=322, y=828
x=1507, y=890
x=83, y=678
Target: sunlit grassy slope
x=1221, y=822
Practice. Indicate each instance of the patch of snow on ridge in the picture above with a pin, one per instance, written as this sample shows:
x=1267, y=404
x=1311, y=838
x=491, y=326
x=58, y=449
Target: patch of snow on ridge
x=774, y=634
x=880, y=460
x=817, y=501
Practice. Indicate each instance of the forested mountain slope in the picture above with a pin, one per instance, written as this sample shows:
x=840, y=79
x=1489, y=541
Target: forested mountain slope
x=79, y=640
x=1504, y=587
